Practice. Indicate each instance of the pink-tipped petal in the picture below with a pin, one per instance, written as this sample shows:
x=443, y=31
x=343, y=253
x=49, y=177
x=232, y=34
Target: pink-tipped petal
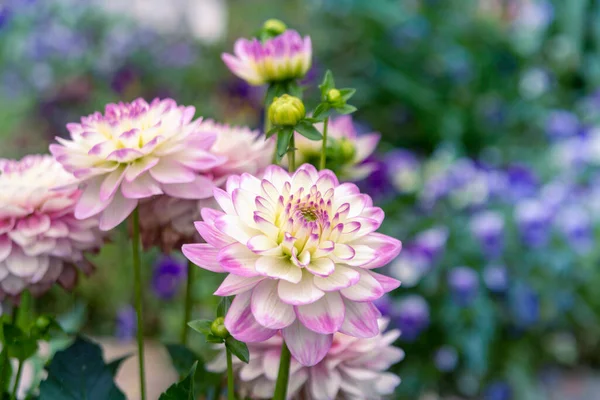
x=116, y=212
x=325, y=315
x=233, y=284
x=242, y=325
x=203, y=255
x=308, y=347
x=238, y=260
x=360, y=320
x=268, y=309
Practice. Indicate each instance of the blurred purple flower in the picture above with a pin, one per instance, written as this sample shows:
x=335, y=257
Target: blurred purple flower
x=525, y=305
x=403, y=170
x=169, y=273
x=385, y=305
x=432, y=242
x=445, y=359
x=411, y=316
x=575, y=223
x=488, y=228
x=126, y=325
x=376, y=184
x=5, y=14
x=562, y=124
x=533, y=219
x=464, y=285
x=495, y=278
x=410, y=266
x=122, y=78
x=522, y=182
x=497, y=391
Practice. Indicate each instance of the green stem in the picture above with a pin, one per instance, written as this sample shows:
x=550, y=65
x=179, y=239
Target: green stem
x=230, y=388
x=189, y=300
x=284, y=373
x=292, y=154
x=17, y=380
x=324, y=148
x=137, y=271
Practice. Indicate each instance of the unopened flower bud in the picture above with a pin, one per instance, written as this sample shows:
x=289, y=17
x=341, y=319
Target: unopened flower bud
x=347, y=149
x=42, y=322
x=334, y=96
x=286, y=111
x=218, y=329
x=274, y=27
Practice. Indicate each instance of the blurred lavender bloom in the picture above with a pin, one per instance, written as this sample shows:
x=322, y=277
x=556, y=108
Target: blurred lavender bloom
x=169, y=273
x=488, y=228
x=376, y=184
x=385, y=305
x=525, y=305
x=412, y=316
x=403, y=170
x=432, y=242
x=575, y=223
x=464, y=285
x=410, y=266
x=123, y=78
x=126, y=325
x=495, y=278
x=522, y=182
x=533, y=219
x=562, y=124
x=446, y=359
x=534, y=15
x=5, y=14
x=497, y=391
x=179, y=55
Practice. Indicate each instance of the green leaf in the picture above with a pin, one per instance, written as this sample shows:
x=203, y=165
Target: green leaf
x=328, y=83
x=275, y=90
x=321, y=109
x=346, y=109
x=347, y=93
x=307, y=130
x=114, y=365
x=292, y=88
x=201, y=325
x=283, y=140
x=272, y=131
x=182, y=358
x=182, y=390
x=210, y=338
x=223, y=307
x=5, y=370
x=239, y=349
x=79, y=372
x=19, y=345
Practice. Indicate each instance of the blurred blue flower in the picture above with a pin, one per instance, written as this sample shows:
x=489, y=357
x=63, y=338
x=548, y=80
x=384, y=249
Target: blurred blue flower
x=5, y=14
x=126, y=324
x=169, y=273
x=561, y=124
x=525, y=305
x=575, y=223
x=377, y=184
x=411, y=316
x=403, y=170
x=522, y=182
x=464, y=285
x=495, y=278
x=497, y=391
x=410, y=266
x=123, y=78
x=533, y=219
x=488, y=228
x=446, y=359
x=432, y=242
x=385, y=305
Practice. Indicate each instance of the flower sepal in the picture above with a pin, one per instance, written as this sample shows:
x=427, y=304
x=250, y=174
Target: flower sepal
x=333, y=99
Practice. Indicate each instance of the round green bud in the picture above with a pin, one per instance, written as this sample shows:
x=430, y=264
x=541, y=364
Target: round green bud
x=274, y=27
x=347, y=149
x=42, y=322
x=218, y=329
x=334, y=96
x=286, y=111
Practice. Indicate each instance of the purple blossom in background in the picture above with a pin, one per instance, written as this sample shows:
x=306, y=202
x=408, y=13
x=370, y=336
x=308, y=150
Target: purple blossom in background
x=562, y=124
x=403, y=169
x=464, y=285
x=412, y=316
x=525, y=305
x=533, y=219
x=522, y=182
x=410, y=266
x=432, y=242
x=495, y=278
x=497, y=391
x=446, y=359
x=575, y=223
x=5, y=14
x=385, y=305
x=376, y=184
x=122, y=78
x=488, y=228
x=169, y=273
x=126, y=326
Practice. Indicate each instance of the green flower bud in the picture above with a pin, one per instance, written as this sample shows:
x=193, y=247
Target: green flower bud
x=218, y=329
x=274, y=27
x=334, y=97
x=347, y=149
x=42, y=322
x=286, y=111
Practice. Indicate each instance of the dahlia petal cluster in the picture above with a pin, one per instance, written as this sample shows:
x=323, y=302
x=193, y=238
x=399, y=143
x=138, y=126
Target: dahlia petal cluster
x=347, y=150
x=299, y=252
x=168, y=221
x=286, y=56
x=134, y=151
x=41, y=241
x=353, y=368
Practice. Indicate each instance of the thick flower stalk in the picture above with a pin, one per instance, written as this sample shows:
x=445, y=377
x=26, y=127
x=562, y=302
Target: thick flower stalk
x=353, y=368
x=284, y=57
x=167, y=221
x=41, y=241
x=135, y=151
x=346, y=149
x=299, y=250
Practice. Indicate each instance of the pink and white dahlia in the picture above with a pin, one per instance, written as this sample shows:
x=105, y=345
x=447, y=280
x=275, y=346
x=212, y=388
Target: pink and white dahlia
x=41, y=241
x=135, y=151
x=287, y=56
x=353, y=368
x=299, y=252
x=346, y=149
x=168, y=222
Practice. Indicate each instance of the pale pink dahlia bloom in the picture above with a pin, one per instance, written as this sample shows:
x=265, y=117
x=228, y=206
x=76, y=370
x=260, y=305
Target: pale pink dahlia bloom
x=135, y=151
x=353, y=368
x=167, y=221
x=41, y=241
x=287, y=56
x=347, y=150
x=299, y=250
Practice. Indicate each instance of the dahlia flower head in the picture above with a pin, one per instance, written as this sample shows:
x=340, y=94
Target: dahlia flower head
x=286, y=56
x=346, y=149
x=135, y=151
x=168, y=222
x=41, y=241
x=353, y=368
x=299, y=251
